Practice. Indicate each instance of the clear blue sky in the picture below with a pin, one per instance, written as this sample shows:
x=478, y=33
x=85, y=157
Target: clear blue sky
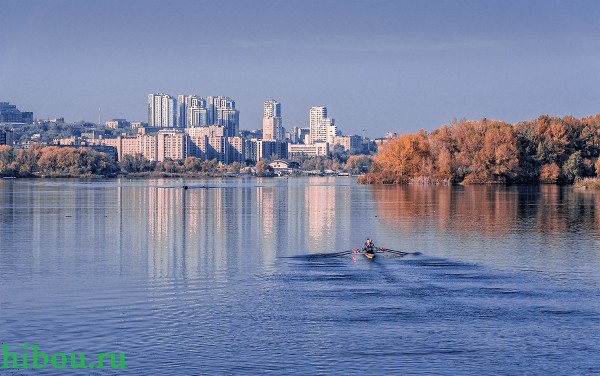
x=377, y=65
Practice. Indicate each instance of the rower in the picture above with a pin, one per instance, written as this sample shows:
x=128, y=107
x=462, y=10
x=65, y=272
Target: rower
x=369, y=246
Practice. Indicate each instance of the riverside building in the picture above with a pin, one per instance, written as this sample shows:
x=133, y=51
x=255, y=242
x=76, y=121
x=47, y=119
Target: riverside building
x=162, y=110
x=272, y=122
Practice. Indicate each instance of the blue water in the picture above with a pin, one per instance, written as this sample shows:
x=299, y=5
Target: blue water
x=256, y=276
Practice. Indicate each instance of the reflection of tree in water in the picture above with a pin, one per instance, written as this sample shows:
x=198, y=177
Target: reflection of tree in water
x=567, y=210
x=488, y=209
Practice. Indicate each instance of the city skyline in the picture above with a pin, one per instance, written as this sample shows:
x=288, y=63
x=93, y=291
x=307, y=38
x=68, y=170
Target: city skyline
x=390, y=66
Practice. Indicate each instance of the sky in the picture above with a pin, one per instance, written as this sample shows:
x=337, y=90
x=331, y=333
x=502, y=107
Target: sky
x=378, y=66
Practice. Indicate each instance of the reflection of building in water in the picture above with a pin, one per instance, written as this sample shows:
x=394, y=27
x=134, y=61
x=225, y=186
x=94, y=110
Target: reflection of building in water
x=185, y=230
x=266, y=209
x=266, y=212
x=320, y=206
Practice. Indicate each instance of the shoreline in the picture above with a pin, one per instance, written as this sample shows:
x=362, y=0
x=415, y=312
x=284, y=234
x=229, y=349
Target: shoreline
x=583, y=184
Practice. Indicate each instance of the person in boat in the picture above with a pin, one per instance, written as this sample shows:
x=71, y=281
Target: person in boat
x=369, y=246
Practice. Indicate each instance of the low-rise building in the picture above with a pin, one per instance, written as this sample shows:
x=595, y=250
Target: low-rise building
x=349, y=143
x=6, y=137
x=124, y=145
x=117, y=123
x=138, y=124
x=265, y=149
x=149, y=146
x=300, y=151
x=67, y=141
x=171, y=145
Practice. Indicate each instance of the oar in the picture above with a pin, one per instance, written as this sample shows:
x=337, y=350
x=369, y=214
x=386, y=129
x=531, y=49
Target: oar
x=393, y=251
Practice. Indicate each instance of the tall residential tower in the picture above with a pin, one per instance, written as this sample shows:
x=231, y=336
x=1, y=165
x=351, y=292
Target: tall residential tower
x=272, y=123
x=222, y=112
x=322, y=128
x=192, y=111
x=162, y=111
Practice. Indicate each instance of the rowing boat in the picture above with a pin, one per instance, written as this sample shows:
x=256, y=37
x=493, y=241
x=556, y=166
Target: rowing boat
x=369, y=255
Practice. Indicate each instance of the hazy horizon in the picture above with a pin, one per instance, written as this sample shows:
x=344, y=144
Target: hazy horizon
x=389, y=66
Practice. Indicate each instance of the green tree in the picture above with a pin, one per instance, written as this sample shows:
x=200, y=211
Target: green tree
x=573, y=167
x=7, y=157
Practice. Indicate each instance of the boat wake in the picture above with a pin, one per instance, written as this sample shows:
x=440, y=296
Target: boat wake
x=353, y=253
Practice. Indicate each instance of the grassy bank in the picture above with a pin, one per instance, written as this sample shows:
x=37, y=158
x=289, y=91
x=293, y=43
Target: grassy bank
x=593, y=183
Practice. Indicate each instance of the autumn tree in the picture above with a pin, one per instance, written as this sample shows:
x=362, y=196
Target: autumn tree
x=234, y=167
x=402, y=158
x=468, y=137
x=443, y=148
x=496, y=161
x=263, y=169
x=135, y=163
x=549, y=173
x=55, y=161
x=358, y=164
x=26, y=160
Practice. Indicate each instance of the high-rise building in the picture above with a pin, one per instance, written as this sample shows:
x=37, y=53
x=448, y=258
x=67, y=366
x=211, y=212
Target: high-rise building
x=272, y=123
x=321, y=127
x=330, y=128
x=222, y=112
x=10, y=114
x=162, y=111
x=192, y=111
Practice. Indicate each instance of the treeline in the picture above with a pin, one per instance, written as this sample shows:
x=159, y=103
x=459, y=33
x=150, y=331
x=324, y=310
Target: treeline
x=54, y=161
x=545, y=150
x=47, y=131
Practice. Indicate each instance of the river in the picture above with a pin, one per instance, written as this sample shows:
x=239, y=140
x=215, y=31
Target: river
x=254, y=276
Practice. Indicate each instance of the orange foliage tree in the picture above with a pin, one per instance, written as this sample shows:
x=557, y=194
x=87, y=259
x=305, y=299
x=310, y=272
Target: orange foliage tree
x=547, y=149
x=403, y=158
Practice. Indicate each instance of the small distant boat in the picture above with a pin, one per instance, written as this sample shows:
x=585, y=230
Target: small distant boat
x=184, y=187
x=9, y=177
x=369, y=255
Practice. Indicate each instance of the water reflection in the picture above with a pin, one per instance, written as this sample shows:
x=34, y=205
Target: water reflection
x=490, y=210
x=235, y=225
x=240, y=226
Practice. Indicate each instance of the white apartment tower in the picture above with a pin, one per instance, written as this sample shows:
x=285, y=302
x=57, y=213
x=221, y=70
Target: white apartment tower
x=162, y=110
x=321, y=127
x=272, y=123
x=192, y=111
x=222, y=112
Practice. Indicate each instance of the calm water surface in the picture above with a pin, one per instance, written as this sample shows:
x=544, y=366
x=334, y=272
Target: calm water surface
x=231, y=279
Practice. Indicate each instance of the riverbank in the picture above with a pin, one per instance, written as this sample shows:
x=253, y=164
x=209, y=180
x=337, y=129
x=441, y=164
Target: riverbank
x=592, y=183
